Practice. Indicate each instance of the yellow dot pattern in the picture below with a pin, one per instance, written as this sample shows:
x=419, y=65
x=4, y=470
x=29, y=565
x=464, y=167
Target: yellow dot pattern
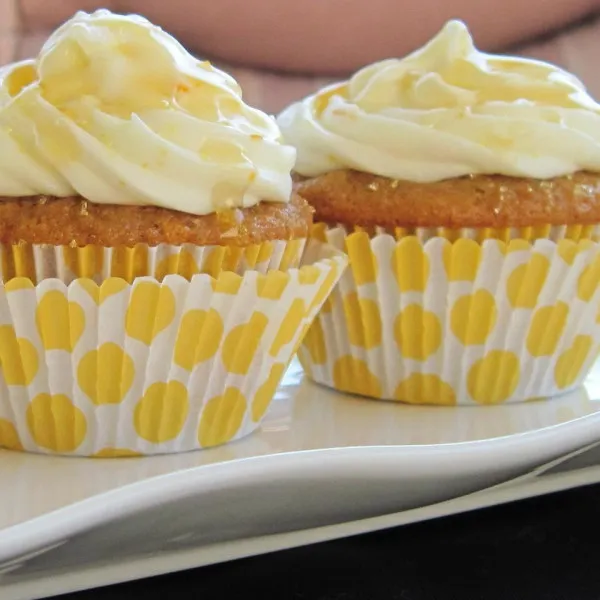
x=55, y=423
x=18, y=358
x=494, y=378
x=322, y=298
x=425, y=389
x=272, y=286
x=221, y=418
x=546, y=329
x=9, y=437
x=242, y=343
x=290, y=326
x=358, y=247
x=450, y=320
x=227, y=283
x=18, y=283
x=462, y=260
x=418, y=332
x=410, y=265
x=309, y=275
x=526, y=282
x=473, y=317
x=314, y=342
x=110, y=287
x=151, y=310
x=60, y=323
x=266, y=391
x=571, y=361
x=117, y=369
x=109, y=452
x=569, y=250
x=199, y=337
x=588, y=281
x=106, y=375
x=353, y=375
x=162, y=412
x=363, y=320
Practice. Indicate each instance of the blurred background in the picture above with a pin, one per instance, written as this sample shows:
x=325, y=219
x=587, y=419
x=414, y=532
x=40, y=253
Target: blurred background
x=281, y=50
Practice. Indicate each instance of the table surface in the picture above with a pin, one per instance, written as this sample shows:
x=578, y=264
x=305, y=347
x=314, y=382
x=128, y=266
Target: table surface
x=540, y=549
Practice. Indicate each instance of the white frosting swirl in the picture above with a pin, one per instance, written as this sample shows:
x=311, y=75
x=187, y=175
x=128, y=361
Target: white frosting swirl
x=117, y=111
x=445, y=111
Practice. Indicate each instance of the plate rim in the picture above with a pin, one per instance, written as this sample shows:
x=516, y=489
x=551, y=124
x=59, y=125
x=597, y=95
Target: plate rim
x=146, y=566
x=122, y=501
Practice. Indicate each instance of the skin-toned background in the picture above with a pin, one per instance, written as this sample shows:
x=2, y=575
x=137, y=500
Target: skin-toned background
x=281, y=50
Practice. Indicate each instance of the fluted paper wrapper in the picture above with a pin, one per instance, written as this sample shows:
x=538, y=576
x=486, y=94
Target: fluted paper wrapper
x=38, y=261
x=427, y=320
x=149, y=367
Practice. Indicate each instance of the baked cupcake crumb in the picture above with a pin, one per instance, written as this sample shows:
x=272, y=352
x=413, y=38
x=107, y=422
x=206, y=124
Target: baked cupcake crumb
x=355, y=198
x=76, y=222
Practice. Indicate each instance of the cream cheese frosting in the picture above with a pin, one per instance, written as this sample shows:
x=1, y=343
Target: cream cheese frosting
x=117, y=111
x=448, y=110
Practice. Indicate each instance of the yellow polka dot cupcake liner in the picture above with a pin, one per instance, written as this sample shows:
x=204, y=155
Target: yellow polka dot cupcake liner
x=151, y=367
x=38, y=262
x=428, y=320
x=506, y=234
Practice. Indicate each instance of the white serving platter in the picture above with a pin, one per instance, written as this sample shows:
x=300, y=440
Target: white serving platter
x=323, y=466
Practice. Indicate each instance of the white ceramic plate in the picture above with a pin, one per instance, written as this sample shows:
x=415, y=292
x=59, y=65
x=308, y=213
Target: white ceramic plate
x=339, y=461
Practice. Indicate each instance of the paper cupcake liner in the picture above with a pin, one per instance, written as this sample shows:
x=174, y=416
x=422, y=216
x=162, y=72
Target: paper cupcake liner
x=149, y=367
x=457, y=322
x=38, y=262
x=506, y=234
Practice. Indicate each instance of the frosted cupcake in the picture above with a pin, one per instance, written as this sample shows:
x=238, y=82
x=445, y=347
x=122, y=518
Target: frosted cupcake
x=466, y=190
x=155, y=279
x=116, y=137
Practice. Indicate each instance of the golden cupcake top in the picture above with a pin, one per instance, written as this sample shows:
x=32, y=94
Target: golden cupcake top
x=445, y=111
x=117, y=111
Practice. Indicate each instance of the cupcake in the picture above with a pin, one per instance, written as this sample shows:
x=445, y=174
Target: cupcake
x=465, y=188
x=155, y=274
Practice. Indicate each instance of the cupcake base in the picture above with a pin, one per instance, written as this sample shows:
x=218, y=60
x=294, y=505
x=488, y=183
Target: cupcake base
x=151, y=367
x=425, y=320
